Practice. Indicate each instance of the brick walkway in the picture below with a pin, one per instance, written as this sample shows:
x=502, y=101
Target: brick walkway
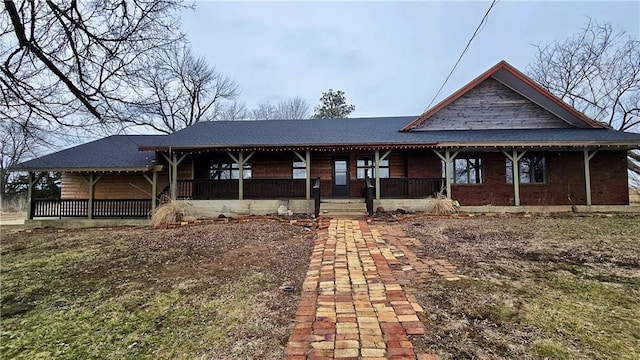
x=353, y=303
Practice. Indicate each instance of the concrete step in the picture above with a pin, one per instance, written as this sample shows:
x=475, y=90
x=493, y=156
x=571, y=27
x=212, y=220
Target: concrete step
x=341, y=201
x=345, y=209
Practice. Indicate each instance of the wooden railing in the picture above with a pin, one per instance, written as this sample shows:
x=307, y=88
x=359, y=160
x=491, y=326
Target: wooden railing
x=316, y=197
x=252, y=189
x=207, y=189
x=410, y=187
x=126, y=208
x=369, y=194
x=121, y=208
x=274, y=188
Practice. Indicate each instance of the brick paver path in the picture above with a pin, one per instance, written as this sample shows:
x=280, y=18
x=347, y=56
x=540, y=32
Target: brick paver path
x=353, y=304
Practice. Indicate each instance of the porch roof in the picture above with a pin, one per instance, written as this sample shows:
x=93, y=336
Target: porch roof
x=113, y=153
x=373, y=133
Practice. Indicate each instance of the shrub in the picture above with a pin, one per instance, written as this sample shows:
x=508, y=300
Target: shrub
x=168, y=212
x=440, y=205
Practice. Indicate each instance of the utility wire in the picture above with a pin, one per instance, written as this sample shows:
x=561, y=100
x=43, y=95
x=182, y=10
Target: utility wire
x=478, y=29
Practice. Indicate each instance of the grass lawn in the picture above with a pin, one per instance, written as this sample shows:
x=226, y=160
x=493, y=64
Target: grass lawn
x=557, y=288
x=209, y=291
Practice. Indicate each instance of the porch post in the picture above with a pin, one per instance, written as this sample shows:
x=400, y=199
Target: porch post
x=377, y=172
x=447, y=158
x=308, y=168
x=240, y=175
x=173, y=161
x=91, y=182
x=174, y=176
x=516, y=177
x=91, y=196
x=154, y=189
x=515, y=169
x=30, y=207
x=587, y=176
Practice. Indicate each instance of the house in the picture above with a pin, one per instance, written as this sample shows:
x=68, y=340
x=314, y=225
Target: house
x=501, y=140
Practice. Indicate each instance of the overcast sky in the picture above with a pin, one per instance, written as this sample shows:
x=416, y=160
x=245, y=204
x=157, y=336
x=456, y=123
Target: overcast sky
x=389, y=58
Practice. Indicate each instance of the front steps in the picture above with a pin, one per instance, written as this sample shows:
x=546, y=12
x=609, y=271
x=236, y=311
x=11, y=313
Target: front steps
x=343, y=208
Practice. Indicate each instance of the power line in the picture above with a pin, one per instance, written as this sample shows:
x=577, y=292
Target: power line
x=478, y=29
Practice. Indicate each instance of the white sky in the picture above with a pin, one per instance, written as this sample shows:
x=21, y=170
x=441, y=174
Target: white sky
x=389, y=58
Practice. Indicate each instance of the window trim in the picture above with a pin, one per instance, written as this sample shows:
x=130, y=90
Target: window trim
x=294, y=168
x=529, y=155
x=479, y=169
x=231, y=167
x=384, y=164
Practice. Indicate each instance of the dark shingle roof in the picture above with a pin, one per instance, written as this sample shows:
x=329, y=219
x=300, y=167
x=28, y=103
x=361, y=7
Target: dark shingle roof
x=367, y=132
x=118, y=152
x=122, y=152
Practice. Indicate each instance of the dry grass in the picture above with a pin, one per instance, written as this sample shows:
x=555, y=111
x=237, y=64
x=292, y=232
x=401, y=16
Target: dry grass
x=169, y=212
x=440, y=205
x=195, y=292
x=540, y=288
x=634, y=196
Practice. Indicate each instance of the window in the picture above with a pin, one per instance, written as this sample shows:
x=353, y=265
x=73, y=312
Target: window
x=532, y=169
x=365, y=168
x=467, y=169
x=228, y=171
x=299, y=169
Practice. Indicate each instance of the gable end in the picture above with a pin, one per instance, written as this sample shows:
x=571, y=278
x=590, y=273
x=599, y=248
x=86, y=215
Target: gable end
x=491, y=105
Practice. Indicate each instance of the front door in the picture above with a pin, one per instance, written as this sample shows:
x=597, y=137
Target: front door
x=340, y=179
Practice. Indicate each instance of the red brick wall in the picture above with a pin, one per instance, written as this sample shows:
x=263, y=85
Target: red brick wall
x=565, y=177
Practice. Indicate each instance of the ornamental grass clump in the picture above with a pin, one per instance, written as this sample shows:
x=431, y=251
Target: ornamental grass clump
x=440, y=205
x=169, y=212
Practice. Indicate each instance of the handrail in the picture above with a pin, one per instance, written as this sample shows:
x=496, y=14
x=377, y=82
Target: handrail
x=316, y=197
x=369, y=191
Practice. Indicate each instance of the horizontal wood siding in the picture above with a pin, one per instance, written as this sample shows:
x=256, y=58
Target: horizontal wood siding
x=121, y=185
x=492, y=105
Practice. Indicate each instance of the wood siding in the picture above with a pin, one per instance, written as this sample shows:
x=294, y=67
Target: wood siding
x=492, y=105
x=121, y=185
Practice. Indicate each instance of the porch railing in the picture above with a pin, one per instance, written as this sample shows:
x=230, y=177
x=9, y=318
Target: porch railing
x=316, y=197
x=369, y=194
x=207, y=189
x=410, y=187
x=274, y=188
x=252, y=189
x=121, y=208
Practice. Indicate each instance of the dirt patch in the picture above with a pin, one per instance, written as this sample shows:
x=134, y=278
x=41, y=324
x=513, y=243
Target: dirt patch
x=540, y=287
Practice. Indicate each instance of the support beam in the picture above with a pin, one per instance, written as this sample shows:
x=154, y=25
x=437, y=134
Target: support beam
x=30, y=207
x=515, y=169
x=308, y=177
x=307, y=163
x=377, y=159
x=448, y=158
x=154, y=186
x=92, y=180
x=588, y=155
x=240, y=160
x=174, y=161
x=240, y=175
x=377, y=172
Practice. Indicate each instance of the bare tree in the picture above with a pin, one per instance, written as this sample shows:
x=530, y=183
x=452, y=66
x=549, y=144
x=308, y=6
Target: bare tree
x=15, y=144
x=292, y=109
x=235, y=110
x=597, y=71
x=73, y=63
x=179, y=90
